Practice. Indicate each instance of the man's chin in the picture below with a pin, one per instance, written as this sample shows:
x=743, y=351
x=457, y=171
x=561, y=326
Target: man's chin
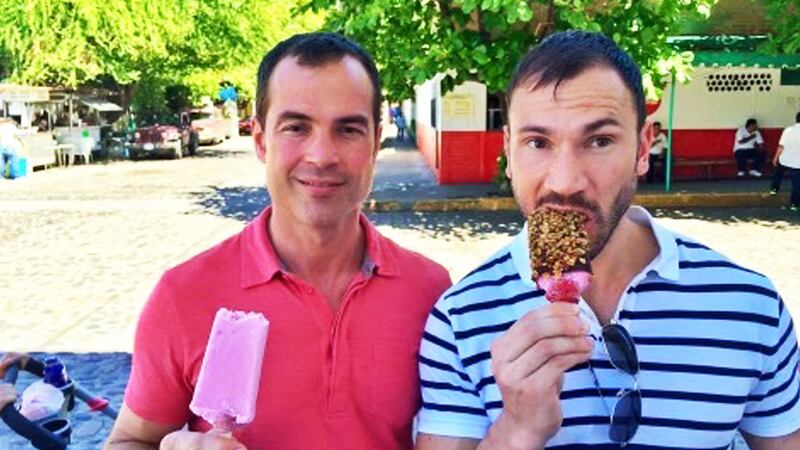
x=326, y=216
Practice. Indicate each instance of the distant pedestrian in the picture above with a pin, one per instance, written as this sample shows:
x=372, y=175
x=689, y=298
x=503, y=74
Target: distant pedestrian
x=400, y=122
x=10, y=149
x=787, y=159
x=749, y=146
x=657, y=152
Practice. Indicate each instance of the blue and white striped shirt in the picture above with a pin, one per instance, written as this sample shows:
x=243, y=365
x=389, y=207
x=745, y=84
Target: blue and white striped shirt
x=716, y=345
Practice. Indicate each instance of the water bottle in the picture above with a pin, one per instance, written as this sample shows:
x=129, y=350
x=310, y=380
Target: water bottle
x=55, y=373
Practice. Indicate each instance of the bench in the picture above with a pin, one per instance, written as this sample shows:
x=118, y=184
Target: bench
x=707, y=165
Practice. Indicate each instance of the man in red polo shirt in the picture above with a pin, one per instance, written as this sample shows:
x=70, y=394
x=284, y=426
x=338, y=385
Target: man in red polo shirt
x=346, y=305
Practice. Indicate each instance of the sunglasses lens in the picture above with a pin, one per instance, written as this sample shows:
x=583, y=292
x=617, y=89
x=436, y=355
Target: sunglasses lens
x=620, y=348
x=626, y=417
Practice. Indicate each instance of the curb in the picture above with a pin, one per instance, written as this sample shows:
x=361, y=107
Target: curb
x=680, y=200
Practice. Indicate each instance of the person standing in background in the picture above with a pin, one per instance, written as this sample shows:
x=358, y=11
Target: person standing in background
x=787, y=159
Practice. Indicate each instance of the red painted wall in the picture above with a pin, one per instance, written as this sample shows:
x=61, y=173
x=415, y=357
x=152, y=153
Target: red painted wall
x=469, y=156
x=458, y=157
x=427, y=144
x=714, y=144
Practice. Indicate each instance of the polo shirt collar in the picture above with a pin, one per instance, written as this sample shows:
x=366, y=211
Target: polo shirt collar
x=665, y=264
x=260, y=262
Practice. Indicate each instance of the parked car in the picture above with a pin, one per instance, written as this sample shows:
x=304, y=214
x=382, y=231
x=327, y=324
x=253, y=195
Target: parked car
x=246, y=126
x=210, y=126
x=163, y=135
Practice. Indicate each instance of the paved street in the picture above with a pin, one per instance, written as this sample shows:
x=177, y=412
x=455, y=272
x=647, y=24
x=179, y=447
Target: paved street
x=81, y=247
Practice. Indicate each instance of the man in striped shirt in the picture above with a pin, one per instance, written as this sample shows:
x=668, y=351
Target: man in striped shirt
x=672, y=346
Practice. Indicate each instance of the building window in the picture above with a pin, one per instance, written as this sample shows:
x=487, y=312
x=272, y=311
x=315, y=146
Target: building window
x=495, y=117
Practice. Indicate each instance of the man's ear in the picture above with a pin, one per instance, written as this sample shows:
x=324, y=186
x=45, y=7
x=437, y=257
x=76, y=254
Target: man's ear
x=258, y=138
x=378, y=136
x=643, y=152
x=506, y=149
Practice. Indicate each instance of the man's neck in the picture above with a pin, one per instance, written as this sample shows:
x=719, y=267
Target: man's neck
x=326, y=257
x=630, y=249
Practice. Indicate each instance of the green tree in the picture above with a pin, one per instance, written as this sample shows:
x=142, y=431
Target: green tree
x=784, y=17
x=481, y=40
x=142, y=46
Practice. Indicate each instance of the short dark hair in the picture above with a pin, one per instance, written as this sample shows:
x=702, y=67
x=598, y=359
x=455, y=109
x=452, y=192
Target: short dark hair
x=797, y=117
x=564, y=55
x=657, y=123
x=750, y=121
x=315, y=50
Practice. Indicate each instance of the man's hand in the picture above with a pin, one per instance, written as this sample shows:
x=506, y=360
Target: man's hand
x=8, y=394
x=189, y=440
x=528, y=363
x=9, y=359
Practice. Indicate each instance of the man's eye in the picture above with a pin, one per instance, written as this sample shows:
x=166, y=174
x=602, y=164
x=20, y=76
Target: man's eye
x=352, y=131
x=293, y=128
x=601, y=142
x=537, y=143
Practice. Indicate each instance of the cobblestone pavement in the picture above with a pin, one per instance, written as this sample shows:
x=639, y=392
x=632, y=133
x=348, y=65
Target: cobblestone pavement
x=81, y=247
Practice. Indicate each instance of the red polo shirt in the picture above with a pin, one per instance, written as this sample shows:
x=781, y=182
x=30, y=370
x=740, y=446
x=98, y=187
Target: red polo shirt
x=330, y=380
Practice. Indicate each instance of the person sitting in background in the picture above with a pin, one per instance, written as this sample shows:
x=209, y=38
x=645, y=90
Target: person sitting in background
x=749, y=146
x=657, y=152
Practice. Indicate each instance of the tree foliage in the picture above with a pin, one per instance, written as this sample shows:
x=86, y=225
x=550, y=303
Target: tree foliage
x=142, y=45
x=784, y=17
x=482, y=40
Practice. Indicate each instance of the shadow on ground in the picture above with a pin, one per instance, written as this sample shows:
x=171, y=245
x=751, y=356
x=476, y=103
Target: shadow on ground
x=240, y=203
x=392, y=142
x=770, y=217
x=459, y=225
x=244, y=204
x=219, y=153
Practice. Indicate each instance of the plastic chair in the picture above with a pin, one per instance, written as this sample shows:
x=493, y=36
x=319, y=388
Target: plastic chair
x=84, y=149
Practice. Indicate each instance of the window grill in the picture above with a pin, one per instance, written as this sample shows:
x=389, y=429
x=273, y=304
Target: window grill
x=739, y=82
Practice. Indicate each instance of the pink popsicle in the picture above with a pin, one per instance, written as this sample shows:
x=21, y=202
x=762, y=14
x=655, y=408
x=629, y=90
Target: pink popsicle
x=227, y=387
x=566, y=288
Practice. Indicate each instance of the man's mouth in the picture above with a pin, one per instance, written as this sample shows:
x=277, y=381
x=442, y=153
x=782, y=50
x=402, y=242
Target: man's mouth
x=320, y=187
x=321, y=183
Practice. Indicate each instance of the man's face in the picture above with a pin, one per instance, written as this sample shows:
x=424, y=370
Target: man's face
x=319, y=140
x=656, y=129
x=579, y=150
x=752, y=127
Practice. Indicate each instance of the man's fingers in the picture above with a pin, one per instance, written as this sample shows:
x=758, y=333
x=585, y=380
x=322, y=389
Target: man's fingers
x=544, y=351
x=550, y=321
x=189, y=440
x=551, y=375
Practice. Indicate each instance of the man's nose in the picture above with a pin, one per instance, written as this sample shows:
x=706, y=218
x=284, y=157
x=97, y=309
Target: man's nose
x=566, y=173
x=322, y=150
